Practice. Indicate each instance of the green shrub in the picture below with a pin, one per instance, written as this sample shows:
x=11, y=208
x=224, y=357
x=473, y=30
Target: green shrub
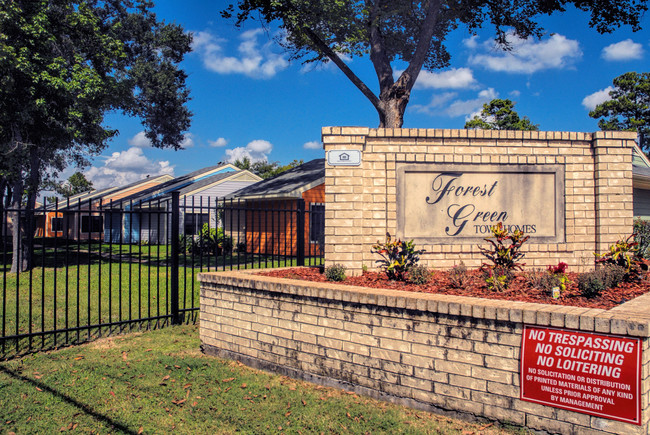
x=591, y=284
x=613, y=275
x=397, y=257
x=335, y=272
x=209, y=241
x=419, y=274
x=458, y=276
x=642, y=237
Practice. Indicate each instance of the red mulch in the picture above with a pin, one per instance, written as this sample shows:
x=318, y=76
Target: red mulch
x=518, y=290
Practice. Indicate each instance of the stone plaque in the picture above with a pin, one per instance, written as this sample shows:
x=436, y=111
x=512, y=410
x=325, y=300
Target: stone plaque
x=459, y=203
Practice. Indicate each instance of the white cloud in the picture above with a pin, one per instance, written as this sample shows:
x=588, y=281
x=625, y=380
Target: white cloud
x=252, y=60
x=591, y=101
x=140, y=141
x=624, y=50
x=188, y=141
x=313, y=145
x=514, y=94
x=527, y=56
x=447, y=104
x=220, y=142
x=471, y=42
x=126, y=167
x=455, y=78
x=256, y=151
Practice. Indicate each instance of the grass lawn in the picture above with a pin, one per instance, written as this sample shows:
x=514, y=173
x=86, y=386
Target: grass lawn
x=81, y=287
x=160, y=382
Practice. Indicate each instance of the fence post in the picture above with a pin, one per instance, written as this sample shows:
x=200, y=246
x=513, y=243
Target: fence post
x=175, y=241
x=301, y=232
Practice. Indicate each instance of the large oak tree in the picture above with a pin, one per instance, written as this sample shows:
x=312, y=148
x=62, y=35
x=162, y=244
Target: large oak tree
x=411, y=31
x=64, y=64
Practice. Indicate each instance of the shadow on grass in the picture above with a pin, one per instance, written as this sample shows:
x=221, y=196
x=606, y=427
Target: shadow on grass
x=83, y=407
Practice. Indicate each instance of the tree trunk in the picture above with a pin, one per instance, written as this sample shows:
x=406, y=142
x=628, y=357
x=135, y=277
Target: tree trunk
x=18, y=263
x=392, y=105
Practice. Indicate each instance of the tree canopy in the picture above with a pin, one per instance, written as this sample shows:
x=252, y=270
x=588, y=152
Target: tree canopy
x=265, y=169
x=500, y=115
x=410, y=31
x=628, y=107
x=75, y=184
x=64, y=65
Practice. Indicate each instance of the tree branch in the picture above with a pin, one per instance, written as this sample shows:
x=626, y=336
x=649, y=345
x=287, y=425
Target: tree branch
x=378, y=56
x=410, y=75
x=331, y=54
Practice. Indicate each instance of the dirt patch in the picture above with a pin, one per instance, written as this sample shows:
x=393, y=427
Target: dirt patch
x=519, y=289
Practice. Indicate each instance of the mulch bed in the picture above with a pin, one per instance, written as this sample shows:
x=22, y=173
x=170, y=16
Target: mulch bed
x=519, y=290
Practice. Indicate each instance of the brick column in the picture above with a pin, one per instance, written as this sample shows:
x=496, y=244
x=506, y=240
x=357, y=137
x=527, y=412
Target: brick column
x=613, y=182
x=344, y=199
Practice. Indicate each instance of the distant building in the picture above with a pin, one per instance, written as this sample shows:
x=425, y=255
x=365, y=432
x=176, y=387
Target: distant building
x=265, y=214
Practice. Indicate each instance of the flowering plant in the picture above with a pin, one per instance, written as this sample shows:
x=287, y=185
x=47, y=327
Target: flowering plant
x=559, y=272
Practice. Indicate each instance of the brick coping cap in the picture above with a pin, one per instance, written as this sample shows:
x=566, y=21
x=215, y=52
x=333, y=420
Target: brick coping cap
x=631, y=318
x=476, y=134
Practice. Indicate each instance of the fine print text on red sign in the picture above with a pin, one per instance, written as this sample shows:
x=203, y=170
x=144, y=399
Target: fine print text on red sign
x=595, y=374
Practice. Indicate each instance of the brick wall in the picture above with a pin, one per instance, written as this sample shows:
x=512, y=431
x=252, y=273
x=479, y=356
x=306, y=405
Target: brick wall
x=441, y=353
x=275, y=232
x=362, y=201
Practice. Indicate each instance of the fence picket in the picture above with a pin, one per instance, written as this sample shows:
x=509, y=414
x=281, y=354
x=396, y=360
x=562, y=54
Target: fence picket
x=92, y=256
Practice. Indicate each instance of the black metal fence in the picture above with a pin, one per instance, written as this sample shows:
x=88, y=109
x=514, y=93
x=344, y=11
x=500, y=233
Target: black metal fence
x=75, y=271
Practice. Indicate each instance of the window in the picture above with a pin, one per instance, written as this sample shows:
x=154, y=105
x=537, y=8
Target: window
x=92, y=224
x=57, y=224
x=317, y=223
x=193, y=223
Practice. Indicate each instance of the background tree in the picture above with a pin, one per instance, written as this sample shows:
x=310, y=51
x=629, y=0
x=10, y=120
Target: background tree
x=411, y=31
x=263, y=168
x=500, y=115
x=629, y=107
x=63, y=65
x=75, y=184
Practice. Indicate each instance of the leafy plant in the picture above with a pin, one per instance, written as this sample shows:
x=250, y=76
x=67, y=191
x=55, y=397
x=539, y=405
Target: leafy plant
x=335, y=272
x=591, y=284
x=458, y=276
x=503, y=255
x=497, y=279
x=209, y=241
x=397, y=257
x=624, y=253
x=557, y=276
x=642, y=238
x=419, y=274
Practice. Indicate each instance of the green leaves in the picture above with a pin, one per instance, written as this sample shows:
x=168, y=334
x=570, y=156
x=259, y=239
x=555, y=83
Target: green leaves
x=398, y=257
x=629, y=107
x=409, y=31
x=503, y=254
x=500, y=115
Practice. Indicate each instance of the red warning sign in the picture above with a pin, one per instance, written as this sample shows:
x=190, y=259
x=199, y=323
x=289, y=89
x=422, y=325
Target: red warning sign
x=596, y=374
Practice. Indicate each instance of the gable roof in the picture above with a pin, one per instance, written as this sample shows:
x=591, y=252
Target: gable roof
x=288, y=184
x=107, y=194
x=185, y=184
x=640, y=169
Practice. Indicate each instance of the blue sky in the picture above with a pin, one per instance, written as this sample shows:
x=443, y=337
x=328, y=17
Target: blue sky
x=248, y=99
